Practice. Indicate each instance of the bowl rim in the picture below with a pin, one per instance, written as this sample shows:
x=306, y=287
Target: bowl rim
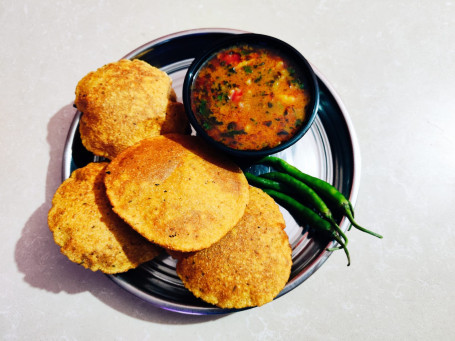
x=254, y=39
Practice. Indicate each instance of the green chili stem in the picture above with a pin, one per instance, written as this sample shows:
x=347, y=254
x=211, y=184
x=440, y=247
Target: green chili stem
x=357, y=226
x=343, y=246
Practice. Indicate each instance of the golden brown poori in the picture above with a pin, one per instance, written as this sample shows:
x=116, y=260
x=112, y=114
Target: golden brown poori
x=249, y=266
x=124, y=102
x=88, y=231
x=165, y=189
x=177, y=191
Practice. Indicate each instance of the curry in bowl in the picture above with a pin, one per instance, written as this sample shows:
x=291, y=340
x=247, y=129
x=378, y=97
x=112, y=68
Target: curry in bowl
x=251, y=96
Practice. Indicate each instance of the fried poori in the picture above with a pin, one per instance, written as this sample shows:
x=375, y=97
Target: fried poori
x=249, y=266
x=88, y=231
x=177, y=191
x=124, y=102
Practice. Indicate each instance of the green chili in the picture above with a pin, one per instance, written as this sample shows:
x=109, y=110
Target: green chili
x=257, y=181
x=289, y=185
x=304, y=191
x=308, y=216
x=322, y=188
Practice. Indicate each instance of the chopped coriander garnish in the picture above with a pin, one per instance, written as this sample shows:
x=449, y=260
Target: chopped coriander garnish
x=247, y=69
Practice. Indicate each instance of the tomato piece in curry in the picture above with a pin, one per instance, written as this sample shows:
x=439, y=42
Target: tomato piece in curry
x=249, y=98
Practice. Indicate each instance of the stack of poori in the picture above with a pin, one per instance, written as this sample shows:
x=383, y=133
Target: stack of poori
x=164, y=189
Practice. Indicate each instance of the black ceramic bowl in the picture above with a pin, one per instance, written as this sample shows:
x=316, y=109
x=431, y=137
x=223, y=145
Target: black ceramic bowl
x=258, y=41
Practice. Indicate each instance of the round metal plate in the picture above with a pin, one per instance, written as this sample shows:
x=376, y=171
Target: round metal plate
x=328, y=151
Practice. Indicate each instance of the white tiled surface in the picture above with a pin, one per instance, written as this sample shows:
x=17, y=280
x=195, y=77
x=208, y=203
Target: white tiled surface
x=392, y=63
